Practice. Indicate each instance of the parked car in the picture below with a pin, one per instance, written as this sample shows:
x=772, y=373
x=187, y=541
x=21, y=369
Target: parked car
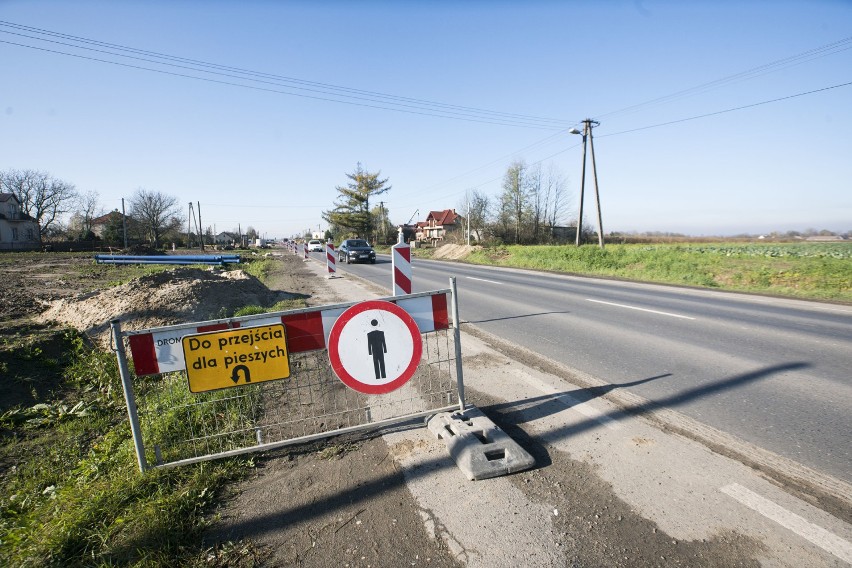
x=314, y=245
x=356, y=250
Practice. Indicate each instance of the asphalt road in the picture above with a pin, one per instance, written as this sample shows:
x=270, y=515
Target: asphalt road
x=774, y=372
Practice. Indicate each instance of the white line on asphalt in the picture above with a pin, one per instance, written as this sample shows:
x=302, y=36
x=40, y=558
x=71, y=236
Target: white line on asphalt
x=640, y=309
x=824, y=539
x=583, y=408
x=482, y=280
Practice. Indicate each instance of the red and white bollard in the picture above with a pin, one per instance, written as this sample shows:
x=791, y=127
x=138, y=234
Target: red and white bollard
x=307, y=258
x=401, y=263
x=330, y=259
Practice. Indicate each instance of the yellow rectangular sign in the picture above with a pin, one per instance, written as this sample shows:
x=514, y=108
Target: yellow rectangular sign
x=222, y=359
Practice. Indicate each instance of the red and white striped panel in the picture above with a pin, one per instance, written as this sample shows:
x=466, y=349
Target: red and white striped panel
x=330, y=258
x=401, y=268
x=306, y=251
x=160, y=350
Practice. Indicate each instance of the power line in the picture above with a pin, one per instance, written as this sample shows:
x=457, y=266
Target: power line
x=718, y=112
x=668, y=123
x=343, y=95
x=280, y=92
x=407, y=104
x=771, y=67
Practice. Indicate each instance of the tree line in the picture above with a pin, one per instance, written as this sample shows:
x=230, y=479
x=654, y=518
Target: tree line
x=532, y=204
x=66, y=214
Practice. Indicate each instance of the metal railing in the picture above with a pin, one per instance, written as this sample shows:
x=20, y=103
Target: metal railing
x=172, y=426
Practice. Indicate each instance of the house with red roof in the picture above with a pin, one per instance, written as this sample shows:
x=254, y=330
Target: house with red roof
x=112, y=219
x=438, y=225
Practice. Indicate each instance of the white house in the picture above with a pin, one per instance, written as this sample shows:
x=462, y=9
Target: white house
x=227, y=238
x=18, y=231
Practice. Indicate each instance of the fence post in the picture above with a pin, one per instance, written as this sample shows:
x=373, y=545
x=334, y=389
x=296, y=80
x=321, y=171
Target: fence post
x=129, y=396
x=457, y=341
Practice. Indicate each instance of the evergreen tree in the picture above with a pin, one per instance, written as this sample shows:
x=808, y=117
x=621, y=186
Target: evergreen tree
x=352, y=208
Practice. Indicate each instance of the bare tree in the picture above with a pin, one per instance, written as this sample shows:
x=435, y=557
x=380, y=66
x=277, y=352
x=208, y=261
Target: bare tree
x=538, y=204
x=87, y=209
x=557, y=195
x=514, y=201
x=477, y=207
x=156, y=212
x=43, y=197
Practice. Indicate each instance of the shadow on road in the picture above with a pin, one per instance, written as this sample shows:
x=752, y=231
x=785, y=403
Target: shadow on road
x=540, y=407
x=515, y=317
x=509, y=416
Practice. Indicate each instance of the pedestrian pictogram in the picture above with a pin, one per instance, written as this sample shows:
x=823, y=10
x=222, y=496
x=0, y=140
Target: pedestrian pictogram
x=374, y=347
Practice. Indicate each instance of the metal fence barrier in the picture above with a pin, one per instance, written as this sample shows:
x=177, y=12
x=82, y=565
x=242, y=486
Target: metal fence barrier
x=173, y=426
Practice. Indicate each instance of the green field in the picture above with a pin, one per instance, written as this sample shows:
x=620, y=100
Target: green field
x=819, y=271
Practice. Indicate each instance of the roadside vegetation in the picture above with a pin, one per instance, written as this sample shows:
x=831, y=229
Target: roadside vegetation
x=819, y=271
x=71, y=493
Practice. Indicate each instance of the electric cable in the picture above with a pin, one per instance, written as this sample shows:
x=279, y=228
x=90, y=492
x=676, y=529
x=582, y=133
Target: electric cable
x=759, y=71
x=438, y=109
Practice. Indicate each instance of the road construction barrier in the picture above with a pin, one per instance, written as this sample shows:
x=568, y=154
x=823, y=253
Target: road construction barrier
x=401, y=267
x=206, y=390
x=306, y=252
x=330, y=259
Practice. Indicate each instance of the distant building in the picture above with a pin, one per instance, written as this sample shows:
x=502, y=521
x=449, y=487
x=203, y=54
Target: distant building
x=438, y=225
x=825, y=238
x=227, y=238
x=101, y=224
x=18, y=231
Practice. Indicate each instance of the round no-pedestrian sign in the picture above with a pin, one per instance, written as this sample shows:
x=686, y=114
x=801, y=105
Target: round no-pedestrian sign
x=374, y=347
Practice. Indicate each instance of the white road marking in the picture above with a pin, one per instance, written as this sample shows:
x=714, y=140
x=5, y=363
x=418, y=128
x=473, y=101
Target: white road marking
x=640, y=309
x=583, y=408
x=482, y=280
x=824, y=539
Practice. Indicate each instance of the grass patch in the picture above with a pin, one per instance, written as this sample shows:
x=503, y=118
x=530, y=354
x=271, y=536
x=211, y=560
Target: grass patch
x=281, y=306
x=820, y=271
x=259, y=267
x=71, y=493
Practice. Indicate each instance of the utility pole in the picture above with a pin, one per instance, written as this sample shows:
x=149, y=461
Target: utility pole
x=201, y=231
x=467, y=195
x=124, y=222
x=189, y=228
x=588, y=124
x=382, y=220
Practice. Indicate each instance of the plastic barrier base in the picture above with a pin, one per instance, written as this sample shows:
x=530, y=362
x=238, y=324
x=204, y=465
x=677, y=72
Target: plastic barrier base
x=479, y=447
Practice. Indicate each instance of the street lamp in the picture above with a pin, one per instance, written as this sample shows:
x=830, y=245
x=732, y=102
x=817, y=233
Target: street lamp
x=588, y=124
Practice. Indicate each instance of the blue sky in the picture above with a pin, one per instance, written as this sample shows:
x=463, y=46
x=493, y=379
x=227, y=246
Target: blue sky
x=272, y=160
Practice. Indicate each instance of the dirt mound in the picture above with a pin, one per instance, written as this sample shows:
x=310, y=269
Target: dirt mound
x=166, y=298
x=454, y=252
